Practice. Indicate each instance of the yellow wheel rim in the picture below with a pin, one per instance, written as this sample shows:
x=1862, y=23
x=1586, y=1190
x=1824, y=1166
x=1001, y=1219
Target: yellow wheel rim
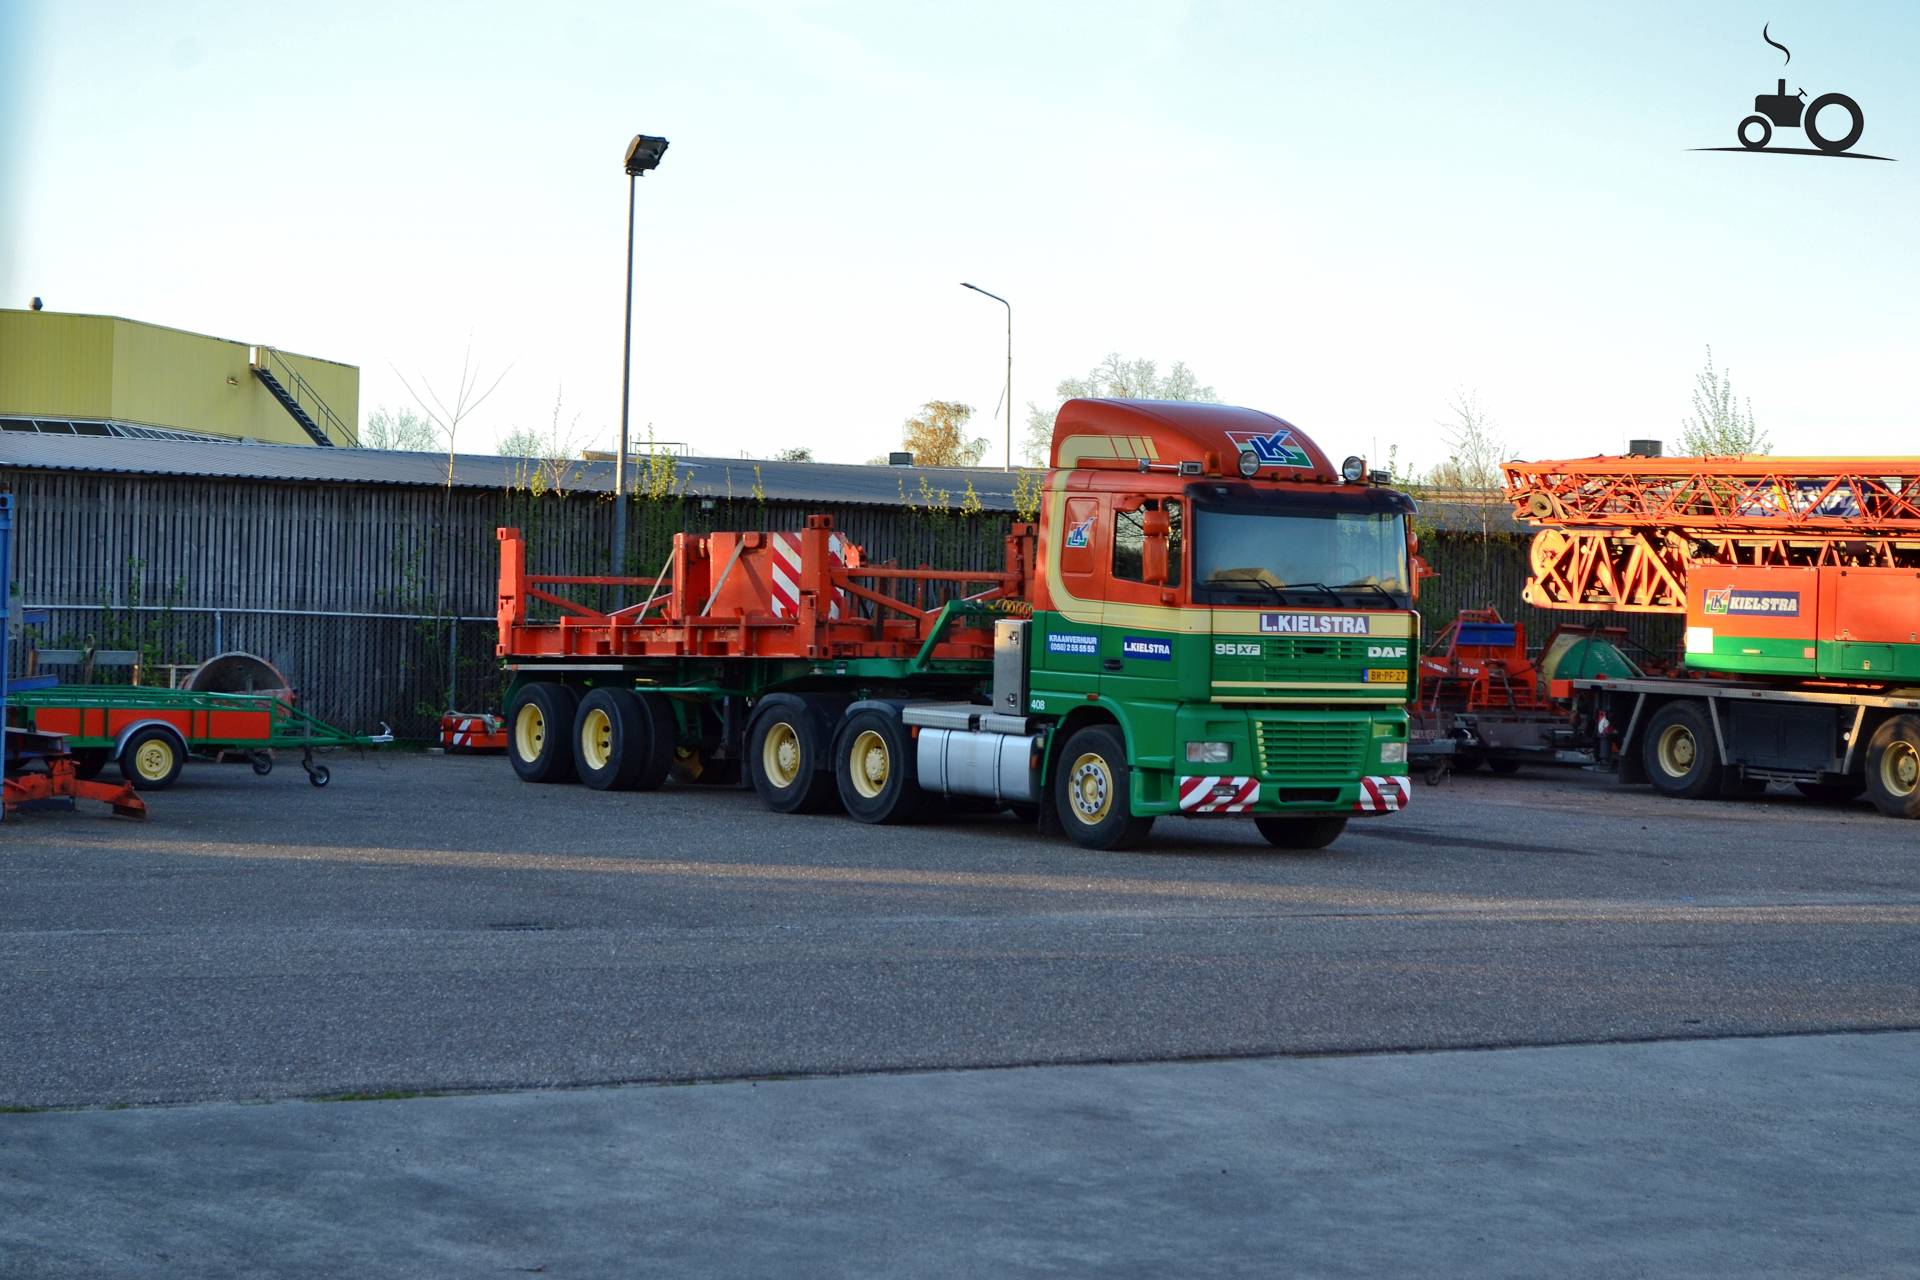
x=1677, y=750
x=154, y=760
x=1900, y=768
x=596, y=738
x=1090, y=788
x=529, y=732
x=780, y=755
x=870, y=764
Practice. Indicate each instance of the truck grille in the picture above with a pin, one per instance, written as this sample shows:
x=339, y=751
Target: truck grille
x=1285, y=659
x=1311, y=748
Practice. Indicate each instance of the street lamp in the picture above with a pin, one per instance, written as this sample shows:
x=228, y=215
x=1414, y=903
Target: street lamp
x=643, y=153
x=1009, y=392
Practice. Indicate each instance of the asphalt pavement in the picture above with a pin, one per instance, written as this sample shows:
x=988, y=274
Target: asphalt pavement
x=428, y=925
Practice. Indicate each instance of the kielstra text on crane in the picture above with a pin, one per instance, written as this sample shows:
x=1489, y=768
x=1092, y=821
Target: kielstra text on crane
x=1207, y=620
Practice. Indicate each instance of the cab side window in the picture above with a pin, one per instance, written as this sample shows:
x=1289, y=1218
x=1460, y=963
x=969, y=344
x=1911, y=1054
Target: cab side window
x=1128, y=539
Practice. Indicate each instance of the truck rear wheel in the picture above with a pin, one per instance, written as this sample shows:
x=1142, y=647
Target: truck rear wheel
x=1093, y=790
x=785, y=752
x=1301, y=833
x=623, y=741
x=1679, y=751
x=873, y=766
x=1893, y=767
x=540, y=732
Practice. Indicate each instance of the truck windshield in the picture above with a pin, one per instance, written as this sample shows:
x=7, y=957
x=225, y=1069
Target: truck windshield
x=1242, y=556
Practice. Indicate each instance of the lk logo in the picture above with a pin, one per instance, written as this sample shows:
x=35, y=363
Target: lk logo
x=1832, y=122
x=1275, y=450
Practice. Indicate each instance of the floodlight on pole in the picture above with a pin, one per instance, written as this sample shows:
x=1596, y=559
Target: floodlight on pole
x=1009, y=391
x=643, y=154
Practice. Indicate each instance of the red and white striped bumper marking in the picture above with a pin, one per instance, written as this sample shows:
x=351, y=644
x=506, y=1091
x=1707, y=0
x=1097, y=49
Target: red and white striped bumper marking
x=1384, y=795
x=476, y=733
x=1218, y=795
x=786, y=573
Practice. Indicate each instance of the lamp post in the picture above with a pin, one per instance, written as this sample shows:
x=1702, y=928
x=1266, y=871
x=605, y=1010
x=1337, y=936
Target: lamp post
x=643, y=153
x=1009, y=392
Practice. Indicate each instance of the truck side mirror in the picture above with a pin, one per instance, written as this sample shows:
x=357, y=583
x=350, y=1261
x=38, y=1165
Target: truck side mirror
x=1157, y=529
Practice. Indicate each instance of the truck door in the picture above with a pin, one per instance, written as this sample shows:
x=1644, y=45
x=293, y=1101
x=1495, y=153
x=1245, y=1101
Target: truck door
x=1066, y=643
x=1141, y=655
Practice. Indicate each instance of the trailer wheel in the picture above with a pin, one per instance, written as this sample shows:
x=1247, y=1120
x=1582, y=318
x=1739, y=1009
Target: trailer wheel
x=1679, y=752
x=1093, y=789
x=1893, y=767
x=873, y=767
x=785, y=750
x=152, y=759
x=539, y=732
x=623, y=741
x=1503, y=765
x=1301, y=833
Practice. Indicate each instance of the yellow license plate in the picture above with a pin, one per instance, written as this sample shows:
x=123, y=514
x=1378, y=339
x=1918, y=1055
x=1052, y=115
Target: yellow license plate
x=1386, y=675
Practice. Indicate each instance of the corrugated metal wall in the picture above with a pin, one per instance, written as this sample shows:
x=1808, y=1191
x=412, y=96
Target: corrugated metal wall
x=357, y=592
x=351, y=590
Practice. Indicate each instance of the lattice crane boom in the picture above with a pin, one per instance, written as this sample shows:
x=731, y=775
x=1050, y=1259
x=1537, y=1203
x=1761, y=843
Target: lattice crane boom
x=1623, y=533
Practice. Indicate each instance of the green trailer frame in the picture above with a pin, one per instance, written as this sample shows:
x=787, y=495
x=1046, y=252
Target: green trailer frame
x=152, y=732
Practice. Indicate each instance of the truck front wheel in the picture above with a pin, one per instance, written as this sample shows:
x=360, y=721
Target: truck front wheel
x=1893, y=767
x=1301, y=833
x=1093, y=791
x=1680, y=753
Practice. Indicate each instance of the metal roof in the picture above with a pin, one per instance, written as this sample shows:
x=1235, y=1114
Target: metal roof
x=299, y=464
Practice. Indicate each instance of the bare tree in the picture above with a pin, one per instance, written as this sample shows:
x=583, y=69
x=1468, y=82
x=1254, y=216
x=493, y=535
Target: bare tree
x=1474, y=448
x=1719, y=425
x=1115, y=378
x=447, y=418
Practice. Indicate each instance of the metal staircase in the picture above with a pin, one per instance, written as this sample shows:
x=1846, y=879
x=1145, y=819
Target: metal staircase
x=297, y=396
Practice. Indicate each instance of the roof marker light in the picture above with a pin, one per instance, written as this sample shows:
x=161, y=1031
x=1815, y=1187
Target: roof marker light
x=1249, y=463
x=1354, y=469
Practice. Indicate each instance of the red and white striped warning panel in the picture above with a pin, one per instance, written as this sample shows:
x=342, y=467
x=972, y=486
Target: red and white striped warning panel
x=786, y=574
x=1218, y=795
x=1384, y=795
x=463, y=731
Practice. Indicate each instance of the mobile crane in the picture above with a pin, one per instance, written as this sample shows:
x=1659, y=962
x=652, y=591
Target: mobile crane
x=1800, y=582
x=1207, y=619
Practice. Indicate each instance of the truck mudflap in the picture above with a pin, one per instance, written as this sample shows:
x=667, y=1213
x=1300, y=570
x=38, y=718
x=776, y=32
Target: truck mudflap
x=1388, y=793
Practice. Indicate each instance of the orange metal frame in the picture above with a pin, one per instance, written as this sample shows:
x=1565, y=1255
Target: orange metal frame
x=1622, y=533
x=60, y=781
x=807, y=595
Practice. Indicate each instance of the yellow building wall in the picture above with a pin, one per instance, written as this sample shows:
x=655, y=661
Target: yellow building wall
x=54, y=365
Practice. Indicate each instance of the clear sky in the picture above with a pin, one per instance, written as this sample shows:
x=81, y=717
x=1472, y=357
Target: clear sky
x=1342, y=213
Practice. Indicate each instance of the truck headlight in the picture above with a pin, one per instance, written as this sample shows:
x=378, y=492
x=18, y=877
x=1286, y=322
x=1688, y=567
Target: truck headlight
x=1209, y=752
x=1393, y=753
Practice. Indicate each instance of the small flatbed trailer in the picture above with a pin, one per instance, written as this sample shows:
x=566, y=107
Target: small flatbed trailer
x=151, y=732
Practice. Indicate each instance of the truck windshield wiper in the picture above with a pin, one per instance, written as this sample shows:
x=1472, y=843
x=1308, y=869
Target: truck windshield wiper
x=1369, y=586
x=1314, y=586
x=1241, y=584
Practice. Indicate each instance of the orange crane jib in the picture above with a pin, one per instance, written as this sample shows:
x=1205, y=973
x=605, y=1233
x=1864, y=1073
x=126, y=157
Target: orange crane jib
x=1623, y=533
x=808, y=594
